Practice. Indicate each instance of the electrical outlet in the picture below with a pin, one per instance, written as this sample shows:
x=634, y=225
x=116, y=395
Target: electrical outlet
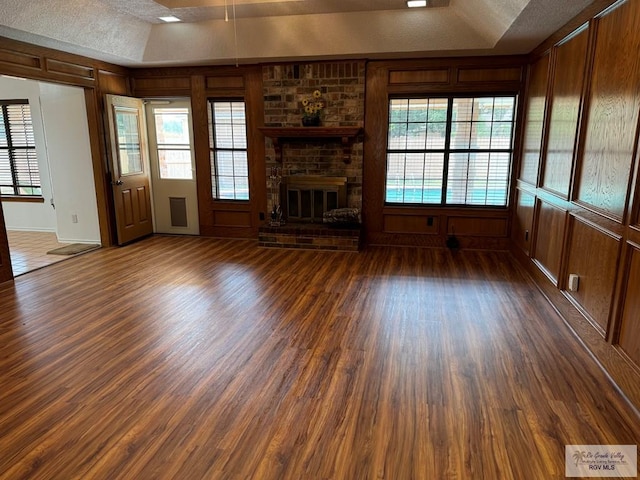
x=574, y=282
x=74, y=218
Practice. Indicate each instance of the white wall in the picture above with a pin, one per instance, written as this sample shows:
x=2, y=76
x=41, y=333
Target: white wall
x=67, y=135
x=64, y=157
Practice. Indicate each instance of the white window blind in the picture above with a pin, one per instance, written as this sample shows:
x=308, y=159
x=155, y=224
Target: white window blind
x=453, y=151
x=228, y=145
x=19, y=172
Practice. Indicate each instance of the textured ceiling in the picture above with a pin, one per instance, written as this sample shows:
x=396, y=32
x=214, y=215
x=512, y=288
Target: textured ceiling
x=128, y=32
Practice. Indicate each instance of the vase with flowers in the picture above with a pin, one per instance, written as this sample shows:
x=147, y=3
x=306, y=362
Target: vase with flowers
x=312, y=108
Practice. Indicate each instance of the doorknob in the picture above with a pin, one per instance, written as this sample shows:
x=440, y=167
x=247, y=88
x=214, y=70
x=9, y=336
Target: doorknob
x=117, y=182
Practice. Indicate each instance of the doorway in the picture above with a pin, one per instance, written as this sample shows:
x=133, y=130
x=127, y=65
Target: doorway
x=63, y=209
x=153, y=175
x=172, y=164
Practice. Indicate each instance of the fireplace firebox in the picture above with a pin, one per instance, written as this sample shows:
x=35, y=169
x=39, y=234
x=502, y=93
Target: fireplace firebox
x=307, y=197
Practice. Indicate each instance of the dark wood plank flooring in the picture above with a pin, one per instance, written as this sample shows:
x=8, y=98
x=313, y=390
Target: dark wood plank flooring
x=193, y=358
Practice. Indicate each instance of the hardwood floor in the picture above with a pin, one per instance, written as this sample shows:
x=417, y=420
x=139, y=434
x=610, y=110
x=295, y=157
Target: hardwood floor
x=29, y=250
x=194, y=358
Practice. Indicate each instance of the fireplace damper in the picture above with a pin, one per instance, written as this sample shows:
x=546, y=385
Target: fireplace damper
x=307, y=197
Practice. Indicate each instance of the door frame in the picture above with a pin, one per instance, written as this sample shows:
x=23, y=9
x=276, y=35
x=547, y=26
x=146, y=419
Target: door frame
x=6, y=271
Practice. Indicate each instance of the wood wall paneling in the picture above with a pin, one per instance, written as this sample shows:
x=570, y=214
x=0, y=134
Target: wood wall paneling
x=225, y=82
x=427, y=224
x=629, y=339
x=24, y=60
x=398, y=77
x=550, y=232
x=201, y=151
x=534, y=120
x=161, y=86
x=375, y=144
x=497, y=74
x=222, y=218
x=593, y=256
x=114, y=83
x=567, y=85
x=477, y=227
x=254, y=96
x=522, y=229
x=613, y=108
x=11, y=58
x=82, y=72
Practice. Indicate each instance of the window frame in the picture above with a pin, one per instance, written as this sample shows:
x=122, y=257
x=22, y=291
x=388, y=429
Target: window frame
x=447, y=151
x=156, y=111
x=11, y=149
x=213, y=149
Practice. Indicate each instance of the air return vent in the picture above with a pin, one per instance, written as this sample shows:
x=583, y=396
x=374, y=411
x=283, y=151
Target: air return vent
x=178, y=208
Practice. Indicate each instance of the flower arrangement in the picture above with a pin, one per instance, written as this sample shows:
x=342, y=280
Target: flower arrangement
x=312, y=108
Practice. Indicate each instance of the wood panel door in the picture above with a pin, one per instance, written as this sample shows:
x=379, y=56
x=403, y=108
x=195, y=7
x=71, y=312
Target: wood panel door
x=129, y=167
x=6, y=272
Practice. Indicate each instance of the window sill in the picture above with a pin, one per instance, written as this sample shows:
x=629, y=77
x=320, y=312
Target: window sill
x=20, y=198
x=445, y=206
x=459, y=210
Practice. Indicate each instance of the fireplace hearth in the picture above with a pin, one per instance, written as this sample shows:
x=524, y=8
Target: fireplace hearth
x=305, y=198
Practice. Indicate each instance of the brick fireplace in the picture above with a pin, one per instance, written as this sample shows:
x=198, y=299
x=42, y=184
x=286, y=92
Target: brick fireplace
x=310, y=166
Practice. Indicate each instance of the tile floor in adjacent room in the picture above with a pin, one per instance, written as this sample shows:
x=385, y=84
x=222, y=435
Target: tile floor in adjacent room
x=29, y=250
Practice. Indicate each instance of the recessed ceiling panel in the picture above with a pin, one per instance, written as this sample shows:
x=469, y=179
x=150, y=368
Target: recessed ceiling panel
x=215, y=3
x=201, y=10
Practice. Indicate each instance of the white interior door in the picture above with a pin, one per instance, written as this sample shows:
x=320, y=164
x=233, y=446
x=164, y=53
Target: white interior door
x=173, y=171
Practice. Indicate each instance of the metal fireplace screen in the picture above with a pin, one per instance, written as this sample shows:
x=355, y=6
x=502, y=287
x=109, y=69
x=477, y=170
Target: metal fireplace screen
x=308, y=196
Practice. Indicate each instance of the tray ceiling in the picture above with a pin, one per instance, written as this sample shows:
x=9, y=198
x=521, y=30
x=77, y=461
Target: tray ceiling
x=129, y=32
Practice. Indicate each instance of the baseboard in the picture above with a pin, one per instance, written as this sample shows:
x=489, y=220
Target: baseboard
x=83, y=241
x=435, y=241
x=30, y=229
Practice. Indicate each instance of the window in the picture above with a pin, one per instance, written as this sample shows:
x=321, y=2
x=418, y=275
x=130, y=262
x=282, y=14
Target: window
x=128, y=141
x=228, y=143
x=173, y=143
x=450, y=151
x=19, y=173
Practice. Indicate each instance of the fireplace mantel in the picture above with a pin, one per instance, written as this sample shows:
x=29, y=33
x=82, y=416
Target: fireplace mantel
x=280, y=135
